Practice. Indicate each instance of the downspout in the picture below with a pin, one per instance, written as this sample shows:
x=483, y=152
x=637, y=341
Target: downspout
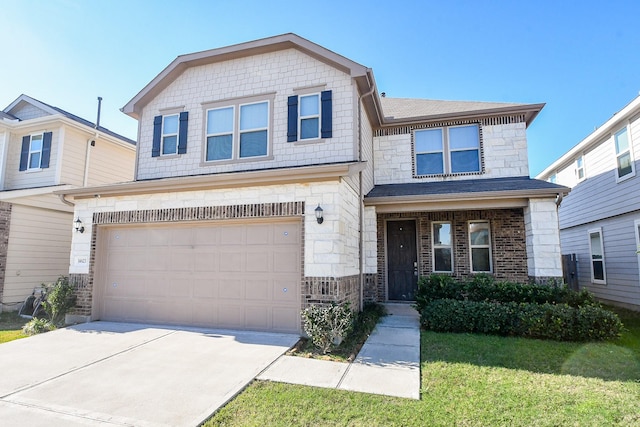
x=65, y=201
x=361, y=196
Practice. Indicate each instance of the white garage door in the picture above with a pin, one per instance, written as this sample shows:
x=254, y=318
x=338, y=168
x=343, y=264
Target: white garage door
x=226, y=275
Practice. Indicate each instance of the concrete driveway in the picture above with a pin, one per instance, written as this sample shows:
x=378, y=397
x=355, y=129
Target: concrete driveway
x=106, y=373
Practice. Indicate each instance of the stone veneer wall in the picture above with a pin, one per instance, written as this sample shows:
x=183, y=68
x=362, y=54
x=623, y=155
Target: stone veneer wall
x=508, y=240
x=314, y=290
x=5, y=223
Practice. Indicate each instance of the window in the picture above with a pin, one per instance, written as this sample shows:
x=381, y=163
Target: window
x=170, y=134
x=447, y=150
x=636, y=225
x=480, y=246
x=624, y=158
x=237, y=132
x=309, y=116
x=553, y=178
x=442, y=247
x=596, y=248
x=580, y=168
x=36, y=151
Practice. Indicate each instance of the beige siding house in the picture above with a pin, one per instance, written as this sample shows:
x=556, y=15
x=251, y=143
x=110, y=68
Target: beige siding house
x=600, y=219
x=44, y=149
x=271, y=175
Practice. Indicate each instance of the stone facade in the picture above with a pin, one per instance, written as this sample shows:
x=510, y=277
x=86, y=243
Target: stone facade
x=543, y=239
x=5, y=223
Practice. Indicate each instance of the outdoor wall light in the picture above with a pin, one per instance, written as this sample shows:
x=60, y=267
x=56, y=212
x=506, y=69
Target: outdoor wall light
x=78, y=226
x=319, y=214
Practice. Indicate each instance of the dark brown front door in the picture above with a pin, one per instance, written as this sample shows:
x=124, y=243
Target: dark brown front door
x=402, y=259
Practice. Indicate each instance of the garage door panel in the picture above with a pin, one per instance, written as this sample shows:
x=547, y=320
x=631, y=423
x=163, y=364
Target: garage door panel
x=234, y=275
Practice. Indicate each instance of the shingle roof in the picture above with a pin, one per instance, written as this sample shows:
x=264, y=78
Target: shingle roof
x=404, y=108
x=90, y=124
x=470, y=186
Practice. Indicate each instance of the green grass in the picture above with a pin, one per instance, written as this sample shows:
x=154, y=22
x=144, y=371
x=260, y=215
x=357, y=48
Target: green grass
x=473, y=380
x=11, y=326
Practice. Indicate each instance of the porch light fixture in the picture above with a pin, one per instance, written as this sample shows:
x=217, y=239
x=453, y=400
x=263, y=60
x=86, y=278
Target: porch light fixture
x=78, y=227
x=319, y=217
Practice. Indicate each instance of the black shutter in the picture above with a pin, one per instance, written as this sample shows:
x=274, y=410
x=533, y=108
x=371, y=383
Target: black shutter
x=182, y=132
x=157, y=135
x=46, y=150
x=325, y=127
x=24, y=154
x=292, y=121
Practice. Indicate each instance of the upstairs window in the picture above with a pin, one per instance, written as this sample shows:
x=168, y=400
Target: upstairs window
x=170, y=134
x=480, y=246
x=553, y=178
x=310, y=116
x=596, y=247
x=238, y=131
x=36, y=151
x=580, y=168
x=447, y=150
x=442, y=247
x=624, y=158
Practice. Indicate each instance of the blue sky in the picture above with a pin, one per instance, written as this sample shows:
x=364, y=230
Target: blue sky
x=581, y=58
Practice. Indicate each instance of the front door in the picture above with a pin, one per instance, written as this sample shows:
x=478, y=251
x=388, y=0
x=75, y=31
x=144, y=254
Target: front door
x=402, y=260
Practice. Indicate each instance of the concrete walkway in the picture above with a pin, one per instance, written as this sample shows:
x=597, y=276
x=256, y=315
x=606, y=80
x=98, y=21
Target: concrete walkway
x=388, y=363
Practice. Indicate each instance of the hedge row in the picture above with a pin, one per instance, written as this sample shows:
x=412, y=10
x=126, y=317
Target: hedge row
x=485, y=288
x=558, y=322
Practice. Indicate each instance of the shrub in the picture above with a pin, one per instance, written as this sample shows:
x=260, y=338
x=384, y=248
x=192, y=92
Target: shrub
x=485, y=288
x=327, y=325
x=60, y=299
x=37, y=326
x=559, y=322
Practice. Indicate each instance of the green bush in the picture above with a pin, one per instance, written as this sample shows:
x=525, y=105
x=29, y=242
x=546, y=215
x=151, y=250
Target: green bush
x=484, y=288
x=327, y=325
x=60, y=299
x=559, y=322
x=37, y=326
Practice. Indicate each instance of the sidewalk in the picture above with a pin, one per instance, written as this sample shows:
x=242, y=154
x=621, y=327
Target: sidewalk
x=388, y=363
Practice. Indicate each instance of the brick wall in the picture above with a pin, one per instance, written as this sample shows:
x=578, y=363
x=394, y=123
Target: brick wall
x=5, y=222
x=508, y=240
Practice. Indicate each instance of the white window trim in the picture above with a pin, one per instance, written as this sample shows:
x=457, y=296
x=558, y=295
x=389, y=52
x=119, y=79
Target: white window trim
x=604, y=267
x=553, y=178
x=636, y=231
x=434, y=246
x=301, y=117
x=472, y=246
x=207, y=135
x=164, y=135
x=237, y=103
x=39, y=168
x=616, y=155
x=578, y=168
x=446, y=152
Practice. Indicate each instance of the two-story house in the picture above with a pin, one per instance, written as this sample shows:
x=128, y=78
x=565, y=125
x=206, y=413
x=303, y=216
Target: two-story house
x=271, y=175
x=600, y=219
x=43, y=149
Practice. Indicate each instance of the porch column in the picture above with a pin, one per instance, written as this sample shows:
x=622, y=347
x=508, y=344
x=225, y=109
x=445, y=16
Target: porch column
x=544, y=259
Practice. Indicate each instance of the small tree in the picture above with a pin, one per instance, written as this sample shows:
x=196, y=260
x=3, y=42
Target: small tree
x=328, y=325
x=60, y=299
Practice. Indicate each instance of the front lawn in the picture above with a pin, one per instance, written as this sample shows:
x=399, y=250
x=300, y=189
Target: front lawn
x=474, y=380
x=11, y=326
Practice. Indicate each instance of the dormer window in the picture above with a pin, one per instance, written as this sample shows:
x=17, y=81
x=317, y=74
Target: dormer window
x=36, y=151
x=447, y=150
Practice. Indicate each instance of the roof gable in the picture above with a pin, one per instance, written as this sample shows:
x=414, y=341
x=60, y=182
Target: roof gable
x=361, y=73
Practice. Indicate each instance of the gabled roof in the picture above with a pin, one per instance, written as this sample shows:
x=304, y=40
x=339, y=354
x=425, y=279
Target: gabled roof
x=59, y=111
x=616, y=122
x=7, y=116
x=362, y=74
x=402, y=110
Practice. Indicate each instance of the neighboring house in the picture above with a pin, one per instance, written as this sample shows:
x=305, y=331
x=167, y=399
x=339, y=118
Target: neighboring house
x=242, y=147
x=600, y=219
x=43, y=149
